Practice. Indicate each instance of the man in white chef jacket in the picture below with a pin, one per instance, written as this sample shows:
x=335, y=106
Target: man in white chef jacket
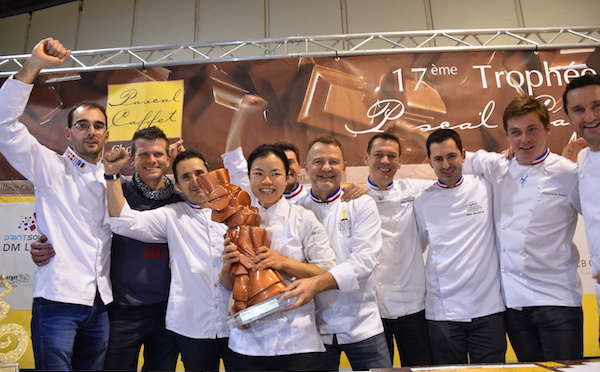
x=347, y=313
x=69, y=323
x=400, y=272
x=536, y=201
x=463, y=304
x=581, y=101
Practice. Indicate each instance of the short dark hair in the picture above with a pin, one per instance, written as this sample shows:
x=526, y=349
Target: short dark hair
x=187, y=154
x=385, y=137
x=263, y=151
x=88, y=105
x=149, y=133
x=286, y=146
x=328, y=140
x=522, y=105
x=580, y=82
x=442, y=135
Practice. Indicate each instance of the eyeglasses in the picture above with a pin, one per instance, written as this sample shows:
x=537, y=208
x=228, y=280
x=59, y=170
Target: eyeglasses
x=83, y=127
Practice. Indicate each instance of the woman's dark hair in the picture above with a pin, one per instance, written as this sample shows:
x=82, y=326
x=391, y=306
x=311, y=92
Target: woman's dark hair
x=263, y=151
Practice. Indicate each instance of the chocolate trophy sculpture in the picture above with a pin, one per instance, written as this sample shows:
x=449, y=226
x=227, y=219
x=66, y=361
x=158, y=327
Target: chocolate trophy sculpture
x=231, y=206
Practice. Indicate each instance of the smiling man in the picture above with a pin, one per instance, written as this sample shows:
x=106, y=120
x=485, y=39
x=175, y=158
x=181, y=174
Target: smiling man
x=581, y=101
x=463, y=304
x=400, y=272
x=348, y=319
x=69, y=318
x=536, y=202
x=197, y=304
x=140, y=273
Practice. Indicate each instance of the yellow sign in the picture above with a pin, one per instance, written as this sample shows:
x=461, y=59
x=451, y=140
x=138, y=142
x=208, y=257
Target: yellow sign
x=140, y=105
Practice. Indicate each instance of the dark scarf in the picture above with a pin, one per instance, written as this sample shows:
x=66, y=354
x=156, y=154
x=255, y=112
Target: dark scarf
x=161, y=194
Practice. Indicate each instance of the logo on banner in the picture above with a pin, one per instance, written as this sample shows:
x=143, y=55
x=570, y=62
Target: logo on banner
x=140, y=105
x=27, y=223
x=23, y=236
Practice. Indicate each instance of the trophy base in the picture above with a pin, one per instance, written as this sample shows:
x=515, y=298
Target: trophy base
x=259, y=311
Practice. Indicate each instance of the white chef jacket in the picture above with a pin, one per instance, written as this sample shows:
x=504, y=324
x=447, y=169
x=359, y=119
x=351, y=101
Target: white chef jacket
x=535, y=213
x=400, y=273
x=296, y=233
x=462, y=269
x=197, y=304
x=354, y=230
x=70, y=204
x=237, y=165
x=588, y=163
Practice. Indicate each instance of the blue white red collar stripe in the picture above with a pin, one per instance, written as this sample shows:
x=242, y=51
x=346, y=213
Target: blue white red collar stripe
x=75, y=159
x=194, y=205
x=329, y=199
x=541, y=158
x=373, y=186
x=292, y=194
x=444, y=186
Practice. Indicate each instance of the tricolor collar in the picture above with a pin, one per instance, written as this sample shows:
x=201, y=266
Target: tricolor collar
x=458, y=183
x=75, y=159
x=194, y=205
x=329, y=199
x=540, y=159
x=297, y=190
x=373, y=186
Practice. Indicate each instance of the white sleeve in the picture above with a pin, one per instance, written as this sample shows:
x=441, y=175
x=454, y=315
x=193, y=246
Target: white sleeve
x=316, y=244
x=365, y=244
x=421, y=226
x=146, y=226
x=574, y=195
x=481, y=163
x=35, y=162
x=236, y=164
x=418, y=185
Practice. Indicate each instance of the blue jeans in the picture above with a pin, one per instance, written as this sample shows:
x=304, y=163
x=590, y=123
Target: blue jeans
x=542, y=333
x=127, y=337
x=67, y=336
x=363, y=355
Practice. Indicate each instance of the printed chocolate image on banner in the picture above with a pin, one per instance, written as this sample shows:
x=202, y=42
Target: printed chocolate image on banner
x=352, y=98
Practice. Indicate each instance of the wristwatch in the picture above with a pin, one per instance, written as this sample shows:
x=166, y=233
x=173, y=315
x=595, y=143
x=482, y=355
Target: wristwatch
x=111, y=177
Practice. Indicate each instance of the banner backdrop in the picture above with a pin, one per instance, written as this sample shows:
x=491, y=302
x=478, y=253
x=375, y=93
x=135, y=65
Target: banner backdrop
x=352, y=98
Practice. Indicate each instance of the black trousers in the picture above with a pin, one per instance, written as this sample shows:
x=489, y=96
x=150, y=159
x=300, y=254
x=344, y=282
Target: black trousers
x=293, y=362
x=481, y=340
x=202, y=354
x=543, y=333
x=410, y=332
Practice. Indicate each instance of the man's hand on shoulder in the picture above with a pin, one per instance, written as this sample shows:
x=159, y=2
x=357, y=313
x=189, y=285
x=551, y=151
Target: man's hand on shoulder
x=572, y=149
x=508, y=153
x=354, y=191
x=47, y=53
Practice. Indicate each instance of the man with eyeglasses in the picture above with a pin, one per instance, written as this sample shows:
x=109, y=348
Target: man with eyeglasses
x=69, y=317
